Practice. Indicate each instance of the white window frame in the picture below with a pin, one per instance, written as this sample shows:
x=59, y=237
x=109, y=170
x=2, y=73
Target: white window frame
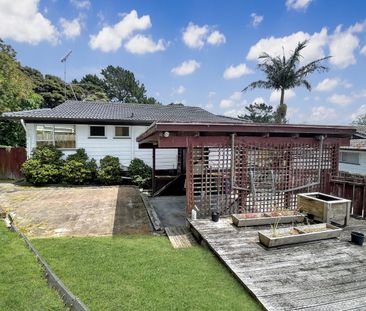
x=53, y=134
x=122, y=137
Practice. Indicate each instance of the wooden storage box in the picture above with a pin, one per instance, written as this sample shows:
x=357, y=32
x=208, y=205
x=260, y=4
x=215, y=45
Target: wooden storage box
x=325, y=207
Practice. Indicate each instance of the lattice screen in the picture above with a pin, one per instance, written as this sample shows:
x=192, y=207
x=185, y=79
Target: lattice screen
x=266, y=176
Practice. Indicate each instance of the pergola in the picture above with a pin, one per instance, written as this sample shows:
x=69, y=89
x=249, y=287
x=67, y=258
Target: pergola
x=231, y=167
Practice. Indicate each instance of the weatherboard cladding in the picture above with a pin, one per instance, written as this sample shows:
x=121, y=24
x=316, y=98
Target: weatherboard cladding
x=113, y=111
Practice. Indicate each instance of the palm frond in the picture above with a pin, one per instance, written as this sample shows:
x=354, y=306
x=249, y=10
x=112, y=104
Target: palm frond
x=258, y=84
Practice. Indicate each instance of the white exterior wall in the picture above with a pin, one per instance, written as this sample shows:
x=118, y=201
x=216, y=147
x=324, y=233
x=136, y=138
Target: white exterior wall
x=354, y=168
x=125, y=149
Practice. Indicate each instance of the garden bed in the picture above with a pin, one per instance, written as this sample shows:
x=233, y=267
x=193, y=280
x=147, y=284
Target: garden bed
x=298, y=234
x=269, y=218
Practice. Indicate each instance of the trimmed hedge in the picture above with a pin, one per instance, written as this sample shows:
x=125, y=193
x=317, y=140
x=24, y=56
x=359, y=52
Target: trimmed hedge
x=140, y=173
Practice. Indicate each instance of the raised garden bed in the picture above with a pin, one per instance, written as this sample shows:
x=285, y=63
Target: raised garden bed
x=324, y=207
x=258, y=219
x=298, y=234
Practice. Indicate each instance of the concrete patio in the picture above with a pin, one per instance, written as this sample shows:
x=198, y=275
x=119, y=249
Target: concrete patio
x=75, y=211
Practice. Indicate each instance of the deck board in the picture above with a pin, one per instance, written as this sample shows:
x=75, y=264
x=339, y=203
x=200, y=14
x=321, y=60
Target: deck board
x=180, y=237
x=315, y=276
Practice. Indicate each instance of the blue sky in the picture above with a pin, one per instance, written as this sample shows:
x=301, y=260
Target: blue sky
x=201, y=53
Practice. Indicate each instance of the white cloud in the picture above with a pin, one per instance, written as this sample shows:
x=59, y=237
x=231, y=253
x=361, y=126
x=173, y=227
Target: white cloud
x=211, y=94
x=360, y=111
x=110, y=38
x=234, y=72
x=141, y=44
x=256, y=19
x=216, y=38
x=342, y=46
x=70, y=28
x=340, y=99
x=186, y=68
x=179, y=90
x=363, y=50
x=81, y=4
x=273, y=46
x=297, y=5
x=322, y=113
x=226, y=103
x=276, y=95
x=195, y=36
x=21, y=21
x=327, y=84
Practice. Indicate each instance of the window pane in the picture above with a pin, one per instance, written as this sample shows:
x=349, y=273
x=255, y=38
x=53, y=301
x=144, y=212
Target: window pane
x=65, y=136
x=97, y=131
x=350, y=157
x=44, y=135
x=122, y=131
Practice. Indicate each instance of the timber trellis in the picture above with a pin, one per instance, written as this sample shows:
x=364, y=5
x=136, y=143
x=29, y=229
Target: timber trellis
x=232, y=167
x=264, y=174
x=351, y=187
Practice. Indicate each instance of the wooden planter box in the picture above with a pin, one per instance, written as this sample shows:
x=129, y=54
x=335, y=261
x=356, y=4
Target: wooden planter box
x=239, y=220
x=304, y=234
x=325, y=207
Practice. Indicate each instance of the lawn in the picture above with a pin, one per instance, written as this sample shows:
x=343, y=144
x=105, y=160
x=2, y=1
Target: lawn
x=22, y=285
x=143, y=273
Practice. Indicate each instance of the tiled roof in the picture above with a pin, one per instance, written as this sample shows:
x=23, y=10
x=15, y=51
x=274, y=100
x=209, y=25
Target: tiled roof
x=115, y=111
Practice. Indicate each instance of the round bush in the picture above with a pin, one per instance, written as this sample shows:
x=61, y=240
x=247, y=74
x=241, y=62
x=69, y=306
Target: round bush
x=75, y=172
x=80, y=156
x=47, y=154
x=140, y=172
x=38, y=173
x=109, y=172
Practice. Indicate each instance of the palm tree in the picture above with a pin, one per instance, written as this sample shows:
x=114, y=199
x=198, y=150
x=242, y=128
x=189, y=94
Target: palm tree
x=284, y=73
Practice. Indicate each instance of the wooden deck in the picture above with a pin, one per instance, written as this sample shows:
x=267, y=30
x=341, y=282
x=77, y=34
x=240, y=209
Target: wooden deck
x=180, y=237
x=324, y=275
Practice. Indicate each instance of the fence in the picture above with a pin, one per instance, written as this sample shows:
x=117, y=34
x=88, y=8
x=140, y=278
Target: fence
x=256, y=174
x=352, y=187
x=11, y=159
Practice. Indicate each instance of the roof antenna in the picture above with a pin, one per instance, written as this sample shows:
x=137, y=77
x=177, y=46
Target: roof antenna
x=63, y=60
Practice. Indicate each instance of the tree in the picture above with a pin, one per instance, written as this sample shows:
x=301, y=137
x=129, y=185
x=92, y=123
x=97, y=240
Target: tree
x=258, y=113
x=121, y=85
x=360, y=120
x=90, y=87
x=284, y=73
x=16, y=93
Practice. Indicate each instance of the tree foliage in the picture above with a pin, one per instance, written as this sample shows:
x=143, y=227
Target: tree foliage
x=284, y=73
x=258, y=113
x=16, y=93
x=360, y=120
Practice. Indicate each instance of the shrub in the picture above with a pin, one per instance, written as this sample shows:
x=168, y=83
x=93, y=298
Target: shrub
x=109, y=171
x=140, y=172
x=47, y=154
x=79, y=156
x=76, y=172
x=38, y=173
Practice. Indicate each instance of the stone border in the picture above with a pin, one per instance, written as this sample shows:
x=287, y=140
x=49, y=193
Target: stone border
x=69, y=299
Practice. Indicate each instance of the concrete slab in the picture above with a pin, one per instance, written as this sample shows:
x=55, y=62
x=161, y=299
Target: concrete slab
x=171, y=210
x=75, y=211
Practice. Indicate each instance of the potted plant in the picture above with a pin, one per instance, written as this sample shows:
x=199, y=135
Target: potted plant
x=215, y=216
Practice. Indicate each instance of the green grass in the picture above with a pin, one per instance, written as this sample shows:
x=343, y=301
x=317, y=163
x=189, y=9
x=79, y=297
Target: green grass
x=22, y=285
x=143, y=273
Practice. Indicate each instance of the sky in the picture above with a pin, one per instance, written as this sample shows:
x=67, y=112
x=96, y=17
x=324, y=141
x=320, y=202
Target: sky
x=201, y=53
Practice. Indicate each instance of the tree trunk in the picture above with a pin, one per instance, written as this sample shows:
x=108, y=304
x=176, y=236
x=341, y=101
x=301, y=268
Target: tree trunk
x=282, y=97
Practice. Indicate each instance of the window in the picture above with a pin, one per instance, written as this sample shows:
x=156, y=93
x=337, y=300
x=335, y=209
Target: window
x=61, y=136
x=97, y=131
x=122, y=131
x=350, y=157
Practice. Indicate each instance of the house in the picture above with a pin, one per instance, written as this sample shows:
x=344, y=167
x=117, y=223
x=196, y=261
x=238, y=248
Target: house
x=106, y=128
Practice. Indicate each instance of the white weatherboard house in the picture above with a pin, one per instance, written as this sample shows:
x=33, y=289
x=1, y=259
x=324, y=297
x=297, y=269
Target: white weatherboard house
x=106, y=128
